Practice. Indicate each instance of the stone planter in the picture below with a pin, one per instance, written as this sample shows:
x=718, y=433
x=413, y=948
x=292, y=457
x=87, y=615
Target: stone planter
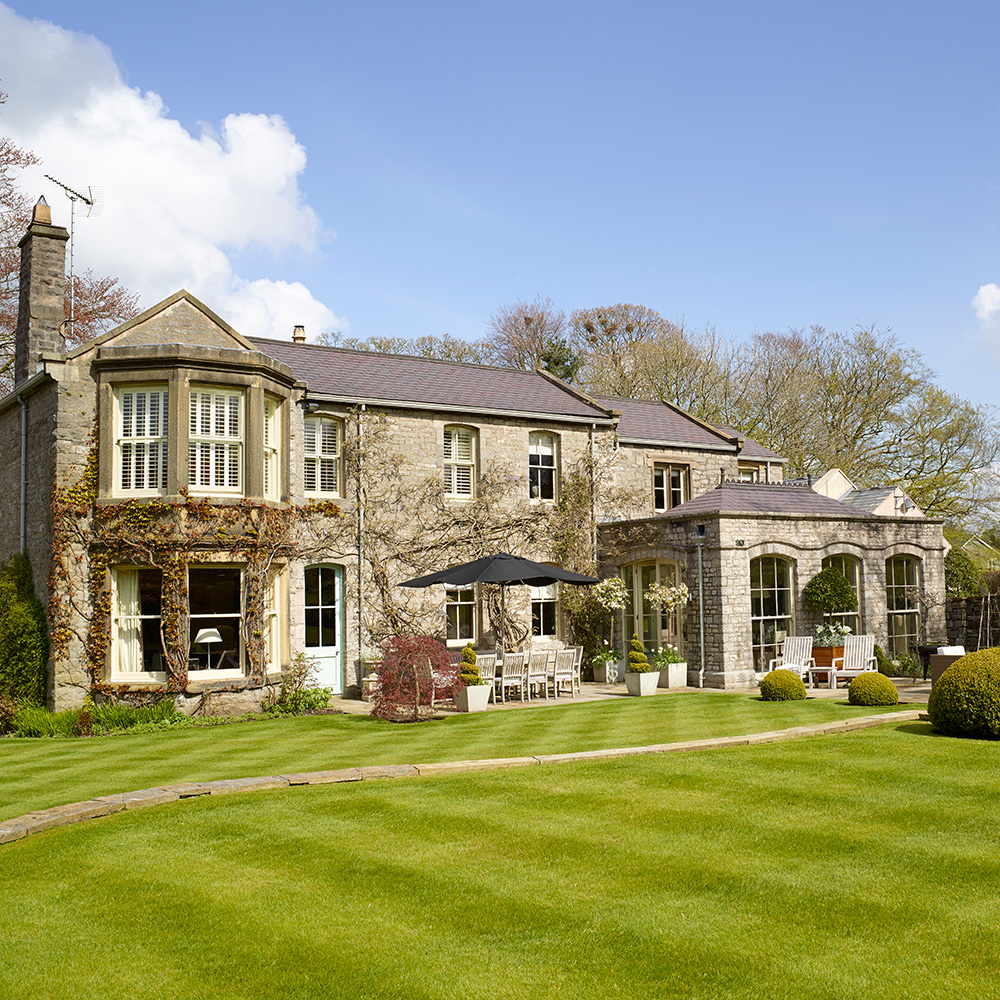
x=638, y=685
x=608, y=673
x=473, y=698
x=674, y=675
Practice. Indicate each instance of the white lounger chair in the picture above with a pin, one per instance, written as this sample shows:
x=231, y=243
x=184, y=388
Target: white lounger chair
x=796, y=655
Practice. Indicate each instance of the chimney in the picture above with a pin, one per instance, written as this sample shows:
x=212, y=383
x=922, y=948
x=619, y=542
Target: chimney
x=299, y=335
x=42, y=292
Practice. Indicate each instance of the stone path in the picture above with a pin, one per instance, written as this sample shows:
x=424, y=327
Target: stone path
x=105, y=805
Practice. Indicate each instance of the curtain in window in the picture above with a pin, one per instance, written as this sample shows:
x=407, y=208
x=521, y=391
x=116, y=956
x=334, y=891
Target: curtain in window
x=128, y=650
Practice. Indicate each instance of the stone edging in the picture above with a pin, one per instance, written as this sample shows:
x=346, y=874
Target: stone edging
x=105, y=805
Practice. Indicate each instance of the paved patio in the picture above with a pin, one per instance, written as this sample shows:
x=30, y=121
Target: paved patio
x=910, y=692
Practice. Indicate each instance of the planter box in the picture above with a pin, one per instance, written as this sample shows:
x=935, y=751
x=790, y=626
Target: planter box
x=674, y=675
x=638, y=685
x=474, y=698
x=608, y=673
x=824, y=657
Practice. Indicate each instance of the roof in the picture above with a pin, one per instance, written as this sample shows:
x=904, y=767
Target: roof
x=341, y=374
x=662, y=423
x=751, y=449
x=868, y=499
x=761, y=498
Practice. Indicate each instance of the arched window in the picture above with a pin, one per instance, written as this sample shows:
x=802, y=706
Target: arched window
x=849, y=568
x=770, y=607
x=902, y=599
x=459, y=462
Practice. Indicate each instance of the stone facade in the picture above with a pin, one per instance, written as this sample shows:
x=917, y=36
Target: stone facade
x=729, y=540
x=124, y=524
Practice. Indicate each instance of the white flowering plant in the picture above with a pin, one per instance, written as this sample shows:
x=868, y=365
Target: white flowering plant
x=666, y=655
x=665, y=598
x=831, y=634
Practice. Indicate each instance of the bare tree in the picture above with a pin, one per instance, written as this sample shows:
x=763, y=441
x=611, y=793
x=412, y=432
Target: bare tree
x=529, y=335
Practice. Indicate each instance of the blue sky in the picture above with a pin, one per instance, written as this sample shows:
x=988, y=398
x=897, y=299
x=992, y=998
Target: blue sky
x=749, y=166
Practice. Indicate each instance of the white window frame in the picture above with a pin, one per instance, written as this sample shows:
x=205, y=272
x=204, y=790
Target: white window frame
x=772, y=607
x=126, y=643
x=542, y=451
x=141, y=435
x=210, y=620
x=322, y=446
x=457, y=599
x=543, y=598
x=902, y=599
x=459, y=462
x=671, y=486
x=216, y=442
x=274, y=621
x=272, y=448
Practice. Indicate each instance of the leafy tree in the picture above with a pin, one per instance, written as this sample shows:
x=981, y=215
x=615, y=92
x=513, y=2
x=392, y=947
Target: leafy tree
x=962, y=577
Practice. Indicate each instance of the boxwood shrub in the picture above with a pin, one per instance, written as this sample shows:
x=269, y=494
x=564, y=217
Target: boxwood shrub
x=965, y=699
x=782, y=685
x=872, y=688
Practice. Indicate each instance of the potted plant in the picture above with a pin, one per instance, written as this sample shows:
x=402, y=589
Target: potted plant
x=829, y=643
x=672, y=667
x=640, y=678
x=474, y=695
x=605, y=663
x=830, y=592
x=665, y=599
x=611, y=595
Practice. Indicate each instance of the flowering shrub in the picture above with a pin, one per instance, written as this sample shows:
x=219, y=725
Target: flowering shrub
x=611, y=595
x=831, y=634
x=665, y=598
x=415, y=671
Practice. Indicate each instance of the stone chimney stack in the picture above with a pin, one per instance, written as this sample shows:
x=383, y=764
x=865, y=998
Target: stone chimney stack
x=299, y=335
x=42, y=292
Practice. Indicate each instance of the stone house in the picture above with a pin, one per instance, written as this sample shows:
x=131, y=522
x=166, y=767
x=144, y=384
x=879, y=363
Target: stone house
x=199, y=506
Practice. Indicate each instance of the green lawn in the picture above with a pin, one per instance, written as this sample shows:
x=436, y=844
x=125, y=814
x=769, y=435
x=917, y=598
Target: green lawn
x=863, y=865
x=42, y=773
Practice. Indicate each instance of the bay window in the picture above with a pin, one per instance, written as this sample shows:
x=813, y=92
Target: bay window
x=136, y=648
x=215, y=600
x=140, y=440
x=215, y=442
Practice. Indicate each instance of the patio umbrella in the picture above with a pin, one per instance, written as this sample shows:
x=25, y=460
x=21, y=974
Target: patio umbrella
x=504, y=569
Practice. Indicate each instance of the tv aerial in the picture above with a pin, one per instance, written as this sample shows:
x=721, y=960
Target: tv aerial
x=94, y=200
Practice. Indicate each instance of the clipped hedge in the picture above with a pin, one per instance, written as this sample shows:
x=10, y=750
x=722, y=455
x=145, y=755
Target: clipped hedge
x=965, y=699
x=24, y=643
x=782, y=685
x=872, y=688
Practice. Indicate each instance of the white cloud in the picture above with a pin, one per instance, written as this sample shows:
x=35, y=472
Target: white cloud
x=987, y=305
x=175, y=202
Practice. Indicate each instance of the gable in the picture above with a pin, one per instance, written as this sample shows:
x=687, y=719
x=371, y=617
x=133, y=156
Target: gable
x=178, y=320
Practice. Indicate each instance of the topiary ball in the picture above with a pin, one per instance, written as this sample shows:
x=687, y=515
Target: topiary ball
x=965, y=699
x=872, y=688
x=782, y=685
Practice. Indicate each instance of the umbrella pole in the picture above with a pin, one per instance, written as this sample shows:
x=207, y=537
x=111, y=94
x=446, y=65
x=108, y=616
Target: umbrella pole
x=503, y=619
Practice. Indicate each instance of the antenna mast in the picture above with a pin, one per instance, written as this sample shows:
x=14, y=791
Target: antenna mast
x=92, y=201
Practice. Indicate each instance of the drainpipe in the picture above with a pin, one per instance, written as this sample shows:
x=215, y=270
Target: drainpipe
x=700, y=542
x=360, y=493
x=24, y=473
x=593, y=494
